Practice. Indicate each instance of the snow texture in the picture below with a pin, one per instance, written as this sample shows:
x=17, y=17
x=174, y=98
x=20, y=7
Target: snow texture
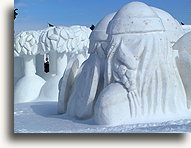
x=140, y=59
x=42, y=117
x=73, y=40
x=186, y=28
x=26, y=43
x=183, y=46
x=28, y=87
x=129, y=83
x=89, y=81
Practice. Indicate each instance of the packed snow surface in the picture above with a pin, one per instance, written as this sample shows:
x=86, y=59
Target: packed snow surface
x=42, y=117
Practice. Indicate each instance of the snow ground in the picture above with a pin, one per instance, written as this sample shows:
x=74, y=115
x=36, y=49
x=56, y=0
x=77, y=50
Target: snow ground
x=42, y=117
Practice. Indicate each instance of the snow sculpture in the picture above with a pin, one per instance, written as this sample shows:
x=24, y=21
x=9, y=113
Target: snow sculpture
x=89, y=81
x=172, y=28
x=66, y=84
x=63, y=43
x=28, y=87
x=183, y=46
x=18, y=69
x=140, y=68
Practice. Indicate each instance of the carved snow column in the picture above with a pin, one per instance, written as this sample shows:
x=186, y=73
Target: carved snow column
x=60, y=43
x=28, y=87
x=89, y=81
x=29, y=65
x=139, y=79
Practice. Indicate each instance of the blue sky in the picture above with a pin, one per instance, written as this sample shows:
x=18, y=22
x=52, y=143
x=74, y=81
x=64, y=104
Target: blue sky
x=35, y=14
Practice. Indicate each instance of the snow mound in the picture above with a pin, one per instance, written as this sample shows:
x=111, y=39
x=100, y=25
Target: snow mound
x=28, y=88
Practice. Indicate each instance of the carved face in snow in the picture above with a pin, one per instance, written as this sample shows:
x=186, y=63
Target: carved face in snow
x=123, y=55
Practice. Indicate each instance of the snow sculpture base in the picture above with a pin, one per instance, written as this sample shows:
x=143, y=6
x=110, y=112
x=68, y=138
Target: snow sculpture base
x=112, y=106
x=49, y=91
x=27, y=89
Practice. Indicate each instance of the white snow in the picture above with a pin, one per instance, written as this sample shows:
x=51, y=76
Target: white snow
x=129, y=83
x=42, y=117
x=186, y=28
x=28, y=87
x=65, y=43
x=183, y=60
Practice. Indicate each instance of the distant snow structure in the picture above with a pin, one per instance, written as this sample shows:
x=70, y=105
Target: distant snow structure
x=28, y=87
x=186, y=28
x=66, y=42
x=183, y=46
x=62, y=43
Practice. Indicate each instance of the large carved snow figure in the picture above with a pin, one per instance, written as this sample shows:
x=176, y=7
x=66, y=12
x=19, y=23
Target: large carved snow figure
x=89, y=81
x=28, y=87
x=183, y=46
x=141, y=82
x=63, y=43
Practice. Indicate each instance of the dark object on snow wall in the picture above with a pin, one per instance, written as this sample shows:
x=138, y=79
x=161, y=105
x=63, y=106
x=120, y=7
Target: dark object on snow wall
x=50, y=25
x=46, y=67
x=182, y=23
x=15, y=13
x=92, y=27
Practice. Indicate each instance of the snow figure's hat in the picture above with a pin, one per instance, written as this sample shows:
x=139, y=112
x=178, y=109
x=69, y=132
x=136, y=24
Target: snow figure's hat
x=135, y=17
x=99, y=33
x=171, y=26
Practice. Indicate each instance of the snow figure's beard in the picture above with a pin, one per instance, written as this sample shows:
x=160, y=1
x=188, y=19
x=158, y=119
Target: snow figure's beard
x=98, y=47
x=143, y=64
